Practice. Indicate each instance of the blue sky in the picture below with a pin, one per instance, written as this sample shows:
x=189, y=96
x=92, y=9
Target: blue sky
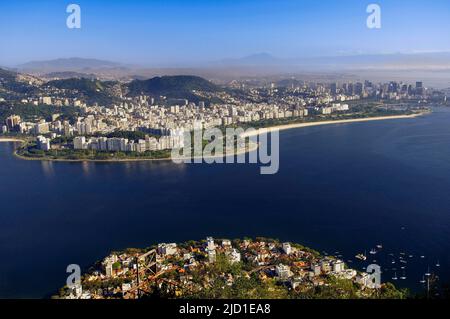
x=177, y=32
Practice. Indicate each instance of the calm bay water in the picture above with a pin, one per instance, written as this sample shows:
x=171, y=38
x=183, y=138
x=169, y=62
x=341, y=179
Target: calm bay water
x=340, y=188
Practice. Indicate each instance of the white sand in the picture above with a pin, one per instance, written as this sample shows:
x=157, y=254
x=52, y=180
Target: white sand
x=300, y=125
x=8, y=139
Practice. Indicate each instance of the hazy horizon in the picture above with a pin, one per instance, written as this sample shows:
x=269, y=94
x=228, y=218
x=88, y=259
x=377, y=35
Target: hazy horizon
x=176, y=33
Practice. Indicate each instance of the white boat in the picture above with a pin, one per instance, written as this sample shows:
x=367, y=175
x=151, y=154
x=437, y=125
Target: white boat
x=403, y=277
x=373, y=252
x=438, y=264
x=395, y=277
x=361, y=257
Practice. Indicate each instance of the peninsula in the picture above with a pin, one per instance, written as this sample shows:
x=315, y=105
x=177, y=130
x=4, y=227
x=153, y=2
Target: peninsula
x=262, y=268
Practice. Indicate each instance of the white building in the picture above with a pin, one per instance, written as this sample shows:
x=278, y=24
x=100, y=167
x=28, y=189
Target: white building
x=210, y=243
x=79, y=143
x=287, y=248
x=211, y=255
x=235, y=256
x=338, y=266
x=43, y=143
x=283, y=271
x=167, y=249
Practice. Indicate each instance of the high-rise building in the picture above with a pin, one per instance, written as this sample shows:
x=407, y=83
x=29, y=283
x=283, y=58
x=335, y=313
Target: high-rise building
x=79, y=143
x=13, y=122
x=359, y=88
x=419, y=88
x=333, y=88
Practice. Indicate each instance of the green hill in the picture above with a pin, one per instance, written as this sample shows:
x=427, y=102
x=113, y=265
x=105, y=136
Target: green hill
x=13, y=84
x=175, y=87
x=93, y=91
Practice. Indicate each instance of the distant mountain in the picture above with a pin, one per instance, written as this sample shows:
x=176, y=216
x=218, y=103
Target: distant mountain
x=70, y=64
x=176, y=87
x=69, y=75
x=259, y=59
x=397, y=61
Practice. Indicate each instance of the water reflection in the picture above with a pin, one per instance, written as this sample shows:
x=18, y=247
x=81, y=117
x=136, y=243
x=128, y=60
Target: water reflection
x=48, y=169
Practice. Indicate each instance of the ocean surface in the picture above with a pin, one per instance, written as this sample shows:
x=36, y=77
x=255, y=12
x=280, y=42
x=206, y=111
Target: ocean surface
x=341, y=189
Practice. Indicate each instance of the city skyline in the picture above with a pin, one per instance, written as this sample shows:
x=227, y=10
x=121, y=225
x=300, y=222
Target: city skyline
x=175, y=33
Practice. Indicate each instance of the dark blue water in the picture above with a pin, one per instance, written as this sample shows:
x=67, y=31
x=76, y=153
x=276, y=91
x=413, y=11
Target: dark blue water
x=340, y=188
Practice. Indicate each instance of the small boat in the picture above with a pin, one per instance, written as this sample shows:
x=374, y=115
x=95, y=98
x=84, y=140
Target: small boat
x=361, y=257
x=423, y=281
x=395, y=277
x=438, y=264
x=393, y=262
x=373, y=252
x=428, y=273
x=422, y=257
x=380, y=246
x=403, y=277
x=411, y=256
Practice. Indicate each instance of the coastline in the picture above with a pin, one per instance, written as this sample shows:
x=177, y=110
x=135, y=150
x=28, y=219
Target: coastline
x=131, y=160
x=248, y=134
x=11, y=139
x=320, y=123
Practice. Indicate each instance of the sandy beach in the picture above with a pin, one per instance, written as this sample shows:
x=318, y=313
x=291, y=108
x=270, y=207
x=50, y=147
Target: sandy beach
x=300, y=125
x=10, y=139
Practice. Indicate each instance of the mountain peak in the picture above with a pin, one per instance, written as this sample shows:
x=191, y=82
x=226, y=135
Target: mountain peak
x=67, y=64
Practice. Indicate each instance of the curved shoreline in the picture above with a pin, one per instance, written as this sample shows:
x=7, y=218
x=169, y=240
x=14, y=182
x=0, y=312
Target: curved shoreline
x=130, y=160
x=7, y=139
x=248, y=134
x=320, y=123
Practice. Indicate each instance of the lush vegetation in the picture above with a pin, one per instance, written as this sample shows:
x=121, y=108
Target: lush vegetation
x=130, y=135
x=174, y=87
x=91, y=91
x=30, y=112
x=9, y=85
x=253, y=286
x=32, y=152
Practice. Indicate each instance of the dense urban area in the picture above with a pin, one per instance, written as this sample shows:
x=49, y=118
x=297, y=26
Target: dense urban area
x=238, y=269
x=79, y=118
